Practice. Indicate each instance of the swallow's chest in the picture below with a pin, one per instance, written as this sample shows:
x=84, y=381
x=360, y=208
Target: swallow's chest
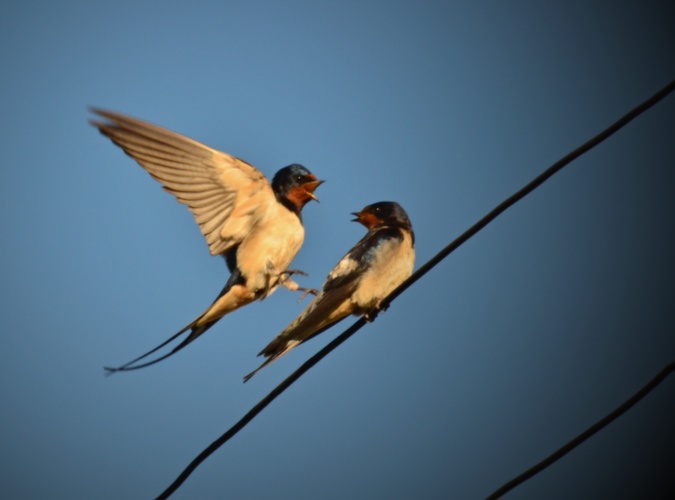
x=391, y=265
x=271, y=246
x=284, y=235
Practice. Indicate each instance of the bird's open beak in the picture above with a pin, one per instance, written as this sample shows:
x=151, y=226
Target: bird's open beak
x=368, y=219
x=310, y=187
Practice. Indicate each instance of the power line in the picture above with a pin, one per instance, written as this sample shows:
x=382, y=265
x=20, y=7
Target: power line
x=493, y=214
x=599, y=425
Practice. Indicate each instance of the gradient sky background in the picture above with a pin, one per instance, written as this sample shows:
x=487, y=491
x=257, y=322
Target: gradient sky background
x=533, y=330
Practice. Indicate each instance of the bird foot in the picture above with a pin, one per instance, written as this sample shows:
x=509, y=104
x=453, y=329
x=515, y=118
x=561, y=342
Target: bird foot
x=373, y=313
x=306, y=292
x=370, y=316
x=286, y=281
x=291, y=272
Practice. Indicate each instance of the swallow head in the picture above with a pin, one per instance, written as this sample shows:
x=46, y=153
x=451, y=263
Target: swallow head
x=296, y=185
x=383, y=213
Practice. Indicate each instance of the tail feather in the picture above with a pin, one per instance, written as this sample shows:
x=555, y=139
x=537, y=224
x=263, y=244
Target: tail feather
x=196, y=329
x=273, y=357
x=196, y=332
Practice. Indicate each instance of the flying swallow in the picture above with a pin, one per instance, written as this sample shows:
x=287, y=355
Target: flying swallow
x=254, y=224
x=380, y=262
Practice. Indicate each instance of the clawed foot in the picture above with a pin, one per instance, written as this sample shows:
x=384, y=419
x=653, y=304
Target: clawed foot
x=372, y=314
x=291, y=272
x=285, y=280
x=306, y=292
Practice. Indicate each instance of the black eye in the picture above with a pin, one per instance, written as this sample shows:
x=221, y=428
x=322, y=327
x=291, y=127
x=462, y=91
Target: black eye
x=298, y=178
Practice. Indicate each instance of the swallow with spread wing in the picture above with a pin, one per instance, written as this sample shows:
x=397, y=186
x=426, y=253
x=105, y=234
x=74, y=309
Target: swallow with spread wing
x=256, y=225
x=380, y=262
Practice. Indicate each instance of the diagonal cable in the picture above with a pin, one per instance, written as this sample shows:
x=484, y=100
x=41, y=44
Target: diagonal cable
x=493, y=214
x=596, y=427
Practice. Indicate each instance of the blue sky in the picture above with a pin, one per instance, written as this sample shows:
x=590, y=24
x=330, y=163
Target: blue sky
x=533, y=330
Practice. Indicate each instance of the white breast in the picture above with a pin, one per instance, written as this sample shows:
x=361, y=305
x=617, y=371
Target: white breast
x=392, y=266
x=270, y=247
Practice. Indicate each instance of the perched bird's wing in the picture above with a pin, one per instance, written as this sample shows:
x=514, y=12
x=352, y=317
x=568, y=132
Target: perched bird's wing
x=225, y=194
x=332, y=305
x=327, y=309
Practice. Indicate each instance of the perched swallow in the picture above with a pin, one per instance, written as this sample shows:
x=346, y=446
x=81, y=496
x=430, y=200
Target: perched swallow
x=380, y=262
x=255, y=225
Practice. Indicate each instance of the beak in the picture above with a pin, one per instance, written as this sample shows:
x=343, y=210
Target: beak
x=367, y=219
x=310, y=187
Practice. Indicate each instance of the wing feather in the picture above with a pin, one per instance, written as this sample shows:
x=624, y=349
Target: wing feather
x=215, y=186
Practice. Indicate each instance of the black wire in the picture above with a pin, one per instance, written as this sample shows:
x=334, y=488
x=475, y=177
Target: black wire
x=531, y=186
x=599, y=425
x=261, y=406
x=493, y=214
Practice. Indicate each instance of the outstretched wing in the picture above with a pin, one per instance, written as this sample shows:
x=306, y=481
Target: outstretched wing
x=225, y=194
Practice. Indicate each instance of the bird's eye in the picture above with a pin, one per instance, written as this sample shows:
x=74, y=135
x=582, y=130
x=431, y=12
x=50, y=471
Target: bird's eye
x=298, y=178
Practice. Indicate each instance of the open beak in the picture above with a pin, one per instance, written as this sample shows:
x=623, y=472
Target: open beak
x=310, y=187
x=368, y=219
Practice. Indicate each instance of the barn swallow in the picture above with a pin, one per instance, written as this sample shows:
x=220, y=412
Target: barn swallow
x=380, y=262
x=254, y=224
